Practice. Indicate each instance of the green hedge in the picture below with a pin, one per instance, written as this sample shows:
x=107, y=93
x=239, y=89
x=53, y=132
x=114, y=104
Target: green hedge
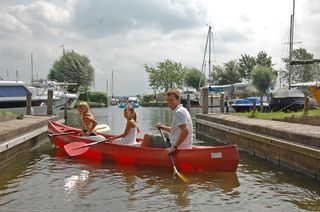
x=94, y=96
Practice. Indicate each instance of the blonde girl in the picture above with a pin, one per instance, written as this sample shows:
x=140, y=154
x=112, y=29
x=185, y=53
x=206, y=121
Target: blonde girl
x=88, y=120
x=128, y=137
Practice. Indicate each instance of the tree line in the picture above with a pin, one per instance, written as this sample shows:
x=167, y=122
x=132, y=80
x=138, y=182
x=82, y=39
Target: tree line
x=255, y=69
x=75, y=68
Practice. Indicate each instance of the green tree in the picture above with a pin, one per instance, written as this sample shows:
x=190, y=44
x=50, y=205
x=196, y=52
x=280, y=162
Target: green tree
x=263, y=78
x=246, y=65
x=73, y=68
x=228, y=74
x=166, y=75
x=194, y=78
x=300, y=73
x=264, y=60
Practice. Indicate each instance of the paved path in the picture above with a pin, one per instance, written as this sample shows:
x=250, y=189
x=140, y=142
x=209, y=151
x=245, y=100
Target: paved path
x=294, y=132
x=277, y=125
x=15, y=127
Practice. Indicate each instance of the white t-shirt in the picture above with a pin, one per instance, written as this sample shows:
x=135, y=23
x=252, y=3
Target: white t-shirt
x=181, y=116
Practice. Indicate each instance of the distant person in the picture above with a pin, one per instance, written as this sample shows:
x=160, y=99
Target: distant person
x=129, y=136
x=179, y=134
x=88, y=120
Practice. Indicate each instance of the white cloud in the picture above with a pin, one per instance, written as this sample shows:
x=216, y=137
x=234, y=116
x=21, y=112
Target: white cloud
x=124, y=35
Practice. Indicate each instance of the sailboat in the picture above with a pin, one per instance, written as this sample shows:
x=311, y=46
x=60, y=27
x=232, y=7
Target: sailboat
x=293, y=99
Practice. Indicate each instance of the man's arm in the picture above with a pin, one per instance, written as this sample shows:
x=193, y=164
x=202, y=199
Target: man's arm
x=164, y=128
x=183, y=135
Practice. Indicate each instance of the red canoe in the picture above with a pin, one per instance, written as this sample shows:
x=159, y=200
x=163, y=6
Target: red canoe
x=199, y=158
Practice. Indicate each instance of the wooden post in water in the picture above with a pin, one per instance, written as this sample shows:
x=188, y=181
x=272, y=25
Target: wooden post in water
x=29, y=103
x=222, y=103
x=204, y=100
x=65, y=109
x=188, y=102
x=226, y=104
x=50, y=102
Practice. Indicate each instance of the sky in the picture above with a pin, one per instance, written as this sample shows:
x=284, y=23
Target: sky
x=123, y=35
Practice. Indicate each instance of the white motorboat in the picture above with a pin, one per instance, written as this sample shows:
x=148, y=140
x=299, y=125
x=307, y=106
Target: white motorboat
x=13, y=98
x=59, y=90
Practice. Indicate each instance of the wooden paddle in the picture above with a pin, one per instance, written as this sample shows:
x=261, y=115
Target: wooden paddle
x=184, y=179
x=78, y=148
x=63, y=133
x=102, y=128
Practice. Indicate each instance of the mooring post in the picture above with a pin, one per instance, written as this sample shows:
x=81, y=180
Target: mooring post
x=204, y=94
x=188, y=102
x=222, y=103
x=50, y=102
x=29, y=103
x=65, y=109
x=226, y=104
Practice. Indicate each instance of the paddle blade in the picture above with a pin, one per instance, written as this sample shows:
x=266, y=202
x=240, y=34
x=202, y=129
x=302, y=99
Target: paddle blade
x=76, y=148
x=102, y=128
x=183, y=178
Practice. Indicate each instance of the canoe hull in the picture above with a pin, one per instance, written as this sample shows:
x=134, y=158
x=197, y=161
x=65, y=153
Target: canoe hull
x=199, y=158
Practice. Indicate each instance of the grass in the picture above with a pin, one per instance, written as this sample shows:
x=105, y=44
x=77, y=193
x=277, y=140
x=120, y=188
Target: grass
x=278, y=115
x=5, y=115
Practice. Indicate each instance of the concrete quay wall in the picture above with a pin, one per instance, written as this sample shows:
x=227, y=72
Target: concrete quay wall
x=18, y=136
x=295, y=146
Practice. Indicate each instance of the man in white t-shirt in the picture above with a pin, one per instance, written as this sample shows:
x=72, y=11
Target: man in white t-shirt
x=180, y=131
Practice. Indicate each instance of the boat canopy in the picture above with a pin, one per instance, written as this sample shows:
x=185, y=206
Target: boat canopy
x=14, y=91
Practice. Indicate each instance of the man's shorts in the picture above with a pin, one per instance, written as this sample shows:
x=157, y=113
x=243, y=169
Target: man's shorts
x=157, y=141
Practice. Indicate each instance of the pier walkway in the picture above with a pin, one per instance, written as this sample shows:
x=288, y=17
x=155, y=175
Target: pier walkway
x=19, y=135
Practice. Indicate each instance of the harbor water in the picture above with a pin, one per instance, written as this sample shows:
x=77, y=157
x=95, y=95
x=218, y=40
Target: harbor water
x=46, y=179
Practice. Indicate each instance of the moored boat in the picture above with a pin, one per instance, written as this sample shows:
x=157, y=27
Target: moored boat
x=199, y=158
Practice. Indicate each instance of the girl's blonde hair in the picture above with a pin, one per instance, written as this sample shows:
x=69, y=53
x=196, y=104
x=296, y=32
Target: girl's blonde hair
x=86, y=107
x=131, y=110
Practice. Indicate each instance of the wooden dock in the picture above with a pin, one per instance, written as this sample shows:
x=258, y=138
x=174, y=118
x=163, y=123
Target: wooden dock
x=291, y=145
x=19, y=135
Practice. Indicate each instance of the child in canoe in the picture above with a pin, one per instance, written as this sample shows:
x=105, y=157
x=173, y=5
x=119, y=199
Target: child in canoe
x=129, y=136
x=88, y=120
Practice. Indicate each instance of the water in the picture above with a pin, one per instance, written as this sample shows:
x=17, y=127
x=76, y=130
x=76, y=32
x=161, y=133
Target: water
x=44, y=179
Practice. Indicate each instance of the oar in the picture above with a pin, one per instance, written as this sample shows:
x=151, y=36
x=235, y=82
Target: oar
x=78, y=148
x=172, y=161
x=63, y=133
x=101, y=128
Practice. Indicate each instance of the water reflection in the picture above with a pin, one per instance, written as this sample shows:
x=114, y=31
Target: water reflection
x=77, y=180
x=144, y=182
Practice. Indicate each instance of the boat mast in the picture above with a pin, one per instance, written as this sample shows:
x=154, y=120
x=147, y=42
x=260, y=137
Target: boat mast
x=31, y=68
x=209, y=40
x=291, y=44
x=107, y=91
x=210, y=37
x=112, y=84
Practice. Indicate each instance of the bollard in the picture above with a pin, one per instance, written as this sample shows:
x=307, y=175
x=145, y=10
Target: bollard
x=188, y=102
x=29, y=103
x=226, y=104
x=65, y=111
x=222, y=103
x=50, y=103
x=204, y=94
